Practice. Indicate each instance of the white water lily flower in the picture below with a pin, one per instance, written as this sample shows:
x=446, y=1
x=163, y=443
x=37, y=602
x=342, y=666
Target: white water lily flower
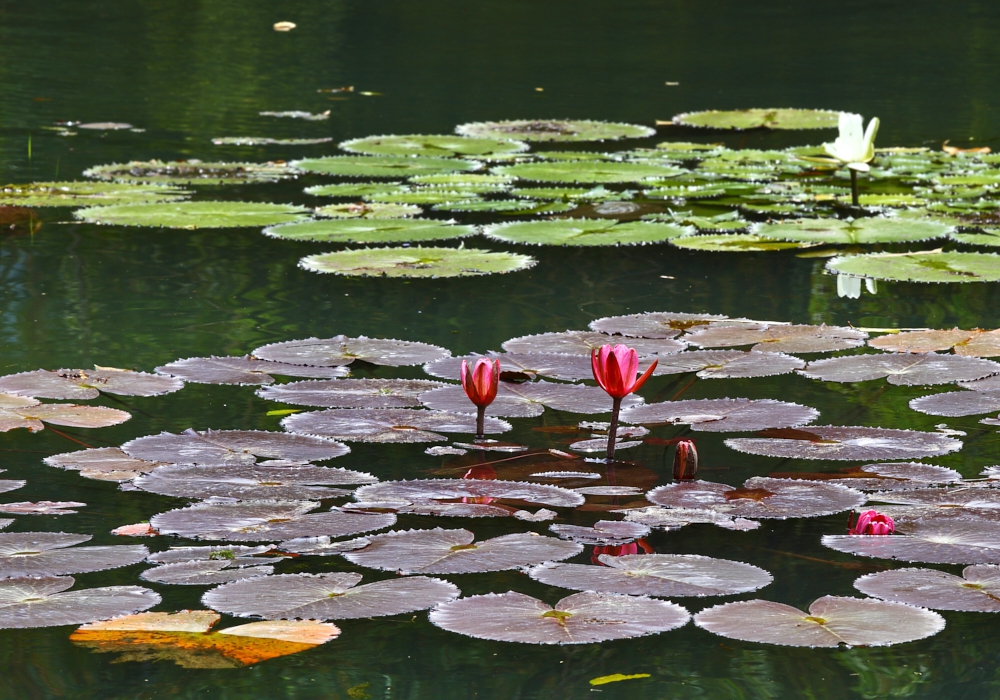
x=854, y=146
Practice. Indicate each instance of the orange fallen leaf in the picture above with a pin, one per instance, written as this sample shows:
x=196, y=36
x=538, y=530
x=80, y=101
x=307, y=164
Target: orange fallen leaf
x=137, y=530
x=954, y=150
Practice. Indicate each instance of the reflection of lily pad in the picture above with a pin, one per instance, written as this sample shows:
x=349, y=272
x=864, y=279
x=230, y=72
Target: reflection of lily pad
x=370, y=230
x=383, y=166
x=588, y=171
x=417, y=262
x=732, y=242
x=72, y=194
x=386, y=424
x=194, y=215
x=921, y=267
x=554, y=130
x=835, y=231
x=436, y=145
x=191, y=172
x=584, y=232
x=761, y=118
x=976, y=590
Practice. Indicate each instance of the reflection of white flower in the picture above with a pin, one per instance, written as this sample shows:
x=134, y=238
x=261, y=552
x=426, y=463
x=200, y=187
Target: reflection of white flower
x=854, y=146
x=850, y=287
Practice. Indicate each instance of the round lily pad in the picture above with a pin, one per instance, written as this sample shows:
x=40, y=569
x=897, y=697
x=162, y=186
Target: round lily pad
x=974, y=343
x=386, y=424
x=204, y=573
x=194, y=215
x=847, y=442
x=480, y=181
x=370, y=230
x=584, y=232
x=957, y=403
x=759, y=497
x=429, y=490
x=243, y=554
x=653, y=325
x=732, y=242
x=839, y=231
x=352, y=189
x=25, y=412
x=589, y=171
x=44, y=601
x=604, y=532
x=417, y=261
x=891, y=476
x=369, y=210
x=583, y=342
x=508, y=206
x=761, y=118
x=244, y=371
x=251, y=482
x=572, y=194
x=265, y=141
x=383, y=166
x=190, y=172
x=553, y=130
x=778, y=338
x=217, y=447
x=949, y=541
x=53, y=554
x=342, y=350
x=425, y=195
x=976, y=590
x=527, y=399
x=722, y=415
x=902, y=369
x=728, y=364
x=352, y=393
x=921, y=267
x=87, y=384
x=74, y=194
x=529, y=364
x=432, y=145
x=102, y=463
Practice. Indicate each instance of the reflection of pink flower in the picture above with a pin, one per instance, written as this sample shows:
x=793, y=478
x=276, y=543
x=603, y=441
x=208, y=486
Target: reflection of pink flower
x=619, y=550
x=872, y=522
x=615, y=367
x=481, y=471
x=481, y=382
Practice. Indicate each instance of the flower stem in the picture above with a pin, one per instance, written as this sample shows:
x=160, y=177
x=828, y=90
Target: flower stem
x=480, y=422
x=613, y=430
x=854, y=186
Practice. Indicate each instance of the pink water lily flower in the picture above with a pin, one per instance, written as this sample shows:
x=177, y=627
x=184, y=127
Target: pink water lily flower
x=615, y=368
x=480, y=384
x=871, y=522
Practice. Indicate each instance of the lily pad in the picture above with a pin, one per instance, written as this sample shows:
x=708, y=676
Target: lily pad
x=528, y=399
x=554, y=130
x=779, y=338
x=429, y=490
x=329, y=596
x=370, y=231
x=508, y=206
x=203, y=573
x=440, y=551
x=102, y=463
x=583, y=618
x=353, y=189
x=724, y=415
x=583, y=342
x=976, y=590
x=251, y=482
x=846, y=443
x=383, y=166
x=920, y=267
x=342, y=350
x=244, y=371
x=840, y=231
x=589, y=171
x=481, y=181
x=888, y=476
x=901, y=369
x=957, y=403
x=666, y=575
x=974, y=343
x=417, y=262
x=603, y=533
x=973, y=497
x=352, y=393
x=660, y=324
x=369, y=210
x=675, y=518
x=728, y=364
x=194, y=215
x=243, y=554
x=759, y=497
x=41, y=507
x=530, y=364
x=386, y=424
x=780, y=118
x=217, y=447
x=583, y=232
x=44, y=601
x=84, y=193
x=432, y=145
x=26, y=412
x=87, y=384
x=191, y=172
x=732, y=242
x=934, y=542
x=260, y=521
x=831, y=622
x=53, y=554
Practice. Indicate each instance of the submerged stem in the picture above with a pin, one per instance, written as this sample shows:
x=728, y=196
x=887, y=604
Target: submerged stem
x=480, y=422
x=854, y=186
x=613, y=430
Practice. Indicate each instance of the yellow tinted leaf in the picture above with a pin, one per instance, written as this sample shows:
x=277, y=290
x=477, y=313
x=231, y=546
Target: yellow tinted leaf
x=615, y=677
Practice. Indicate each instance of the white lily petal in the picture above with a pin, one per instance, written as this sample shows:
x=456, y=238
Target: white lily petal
x=860, y=167
x=849, y=287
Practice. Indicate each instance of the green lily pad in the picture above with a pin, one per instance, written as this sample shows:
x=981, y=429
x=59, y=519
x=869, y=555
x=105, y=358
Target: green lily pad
x=72, y=194
x=572, y=194
x=515, y=206
x=383, y=166
x=584, y=232
x=460, y=180
x=688, y=146
x=417, y=262
x=554, y=130
x=424, y=195
x=691, y=191
x=761, y=118
x=574, y=155
x=588, y=171
x=990, y=178
x=921, y=267
x=436, y=145
x=353, y=189
x=369, y=231
x=194, y=215
x=190, y=172
x=990, y=238
x=887, y=200
x=733, y=242
x=833, y=231
x=370, y=210
x=264, y=141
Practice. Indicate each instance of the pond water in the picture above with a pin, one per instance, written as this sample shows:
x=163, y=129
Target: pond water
x=76, y=294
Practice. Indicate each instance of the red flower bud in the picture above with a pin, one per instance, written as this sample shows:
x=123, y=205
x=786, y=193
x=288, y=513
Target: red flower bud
x=481, y=382
x=685, y=461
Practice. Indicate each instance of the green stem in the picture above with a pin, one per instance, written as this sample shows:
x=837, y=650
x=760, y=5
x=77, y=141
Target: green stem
x=613, y=430
x=854, y=186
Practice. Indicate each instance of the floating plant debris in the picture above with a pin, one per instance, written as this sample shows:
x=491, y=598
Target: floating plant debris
x=298, y=114
x=858, y=231
x=242, y=554
x=887, y=476
x=666, y=575
x=417, y=261
x=185, y=638
x=760, y=119
x=41, y=507
x=653, y=325
x=244, y=371
x=604, y=532
x=920, y=267
x=724, y=415
x=975, y=343
x=370, y=230
x=778, y=338
x=352, y=393
x=732, y=242
x=45, y=601
x=728, y=364
x=601, y=444
x=251, y=481
x=759, y=497
x=54, y=554
x=583, y=342
x=383, y=166
x=553, y=130
x=674, y=518
x=194, y=215
x=26, y=412
x=424, y=490
x=341, y=350
x=260, y=521
x=831, y=621
x=84, y=193
x=87, y=384
x=846, y=442
x=190, y=172
x=589, y=171
x=434, y=145
x=901, y=368
x=231, y=447
x=957, y=403
x=583, y=232
x=204, y=573
x=976, y=590
x=949, y=541
x=529, y=364
x=265, y=141
x=528, y=399
x=387, y=424
x=440, y=551
x=329, y=596
x=583, y=618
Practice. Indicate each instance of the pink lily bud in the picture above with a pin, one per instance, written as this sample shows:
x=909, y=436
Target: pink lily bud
x=685, y=461
x=481, y=382
x=872, y=522
x=615, y=367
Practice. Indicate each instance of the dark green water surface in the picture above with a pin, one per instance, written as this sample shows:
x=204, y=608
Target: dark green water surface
x=73, y=295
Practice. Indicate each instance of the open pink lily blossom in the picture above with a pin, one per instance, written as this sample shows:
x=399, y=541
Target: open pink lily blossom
x=615, y=368
x=872, y=522
x=480, y=384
